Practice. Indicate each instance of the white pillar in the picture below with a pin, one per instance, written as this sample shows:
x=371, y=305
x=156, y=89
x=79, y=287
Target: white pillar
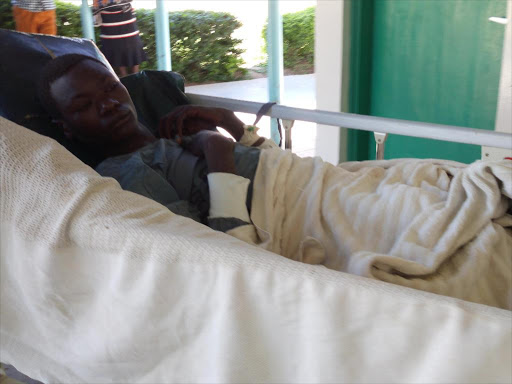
x=162, y=36
x=504, y=108
x=328, y=70
x=275, y=60
x=87, y=21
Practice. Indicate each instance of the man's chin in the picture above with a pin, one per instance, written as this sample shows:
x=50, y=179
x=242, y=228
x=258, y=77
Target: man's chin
x=124, y=128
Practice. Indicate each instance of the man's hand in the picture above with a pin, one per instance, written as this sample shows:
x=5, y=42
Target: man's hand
x=187, y=120
x=216, y=149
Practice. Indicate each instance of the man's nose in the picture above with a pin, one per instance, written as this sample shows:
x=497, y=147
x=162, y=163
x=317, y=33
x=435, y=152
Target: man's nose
x=108, y=105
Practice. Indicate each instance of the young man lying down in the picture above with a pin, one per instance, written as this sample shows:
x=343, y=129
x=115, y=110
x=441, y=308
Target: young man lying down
x=433, y=225
x=206, y=178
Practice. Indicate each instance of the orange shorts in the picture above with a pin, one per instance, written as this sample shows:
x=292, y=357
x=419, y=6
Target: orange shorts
x=35, y=22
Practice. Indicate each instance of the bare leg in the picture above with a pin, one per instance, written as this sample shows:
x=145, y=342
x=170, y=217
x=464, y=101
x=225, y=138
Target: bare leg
x=134, y=69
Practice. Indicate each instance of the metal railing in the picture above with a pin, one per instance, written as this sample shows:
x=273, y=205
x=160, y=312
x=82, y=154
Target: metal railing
x=380, y=126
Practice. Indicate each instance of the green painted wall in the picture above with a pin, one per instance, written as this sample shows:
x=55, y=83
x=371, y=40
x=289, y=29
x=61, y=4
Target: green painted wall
x=435, y=61
x=361, y=33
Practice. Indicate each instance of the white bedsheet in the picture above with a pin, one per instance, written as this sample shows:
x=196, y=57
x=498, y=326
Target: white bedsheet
x=100, y=285
x=433, y=225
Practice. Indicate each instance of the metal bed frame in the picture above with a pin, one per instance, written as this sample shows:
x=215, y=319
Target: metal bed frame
x=380, y=126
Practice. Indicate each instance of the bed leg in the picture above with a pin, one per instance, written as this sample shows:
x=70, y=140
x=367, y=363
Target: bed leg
x=288, y=124
x=380, y=139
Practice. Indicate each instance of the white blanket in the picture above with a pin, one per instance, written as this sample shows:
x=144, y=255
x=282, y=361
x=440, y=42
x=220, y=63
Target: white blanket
x=100, y=285
x=433, y=225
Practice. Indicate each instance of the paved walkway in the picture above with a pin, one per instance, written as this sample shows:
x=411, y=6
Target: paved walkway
x=299, y=91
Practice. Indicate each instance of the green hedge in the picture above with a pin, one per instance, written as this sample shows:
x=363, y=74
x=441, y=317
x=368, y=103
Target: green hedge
x=6, y=20
x=202, y=46
x=298, y=40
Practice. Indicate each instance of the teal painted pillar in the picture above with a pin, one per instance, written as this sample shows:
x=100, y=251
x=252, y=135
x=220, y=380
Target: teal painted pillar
x=163, y=40
x=275, y=59
x=87, y=22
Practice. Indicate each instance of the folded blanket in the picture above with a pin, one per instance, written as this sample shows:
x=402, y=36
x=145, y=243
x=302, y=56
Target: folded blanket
x=100, y=285
x=433, y=225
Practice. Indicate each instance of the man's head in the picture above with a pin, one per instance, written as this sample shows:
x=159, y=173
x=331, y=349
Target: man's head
x=87, y=100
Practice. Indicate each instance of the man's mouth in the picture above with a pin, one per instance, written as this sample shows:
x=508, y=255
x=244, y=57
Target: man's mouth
x=123, y=119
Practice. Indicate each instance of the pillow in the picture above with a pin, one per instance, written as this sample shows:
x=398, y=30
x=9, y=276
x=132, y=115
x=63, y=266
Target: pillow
x=23, y=57
x=155, y=93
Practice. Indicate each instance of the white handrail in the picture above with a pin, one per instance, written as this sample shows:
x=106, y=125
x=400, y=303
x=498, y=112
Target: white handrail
x=366, y=123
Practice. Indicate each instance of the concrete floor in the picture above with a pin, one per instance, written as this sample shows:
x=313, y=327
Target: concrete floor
x=299, y=91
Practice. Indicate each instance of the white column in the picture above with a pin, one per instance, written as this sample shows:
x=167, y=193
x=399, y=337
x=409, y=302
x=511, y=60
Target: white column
x=328, y=71
x=275, y=60
x=87, y=21
x=162, y=36
x=504, y=108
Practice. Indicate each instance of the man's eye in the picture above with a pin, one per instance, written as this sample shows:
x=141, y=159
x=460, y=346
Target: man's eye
x=112, y=86
x=83, y=107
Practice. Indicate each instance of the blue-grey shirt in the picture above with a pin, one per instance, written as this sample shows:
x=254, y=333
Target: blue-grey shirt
x=172, y=176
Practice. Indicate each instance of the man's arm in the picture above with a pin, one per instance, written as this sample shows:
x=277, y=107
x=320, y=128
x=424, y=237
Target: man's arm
x=187, y=120
x=228, y=191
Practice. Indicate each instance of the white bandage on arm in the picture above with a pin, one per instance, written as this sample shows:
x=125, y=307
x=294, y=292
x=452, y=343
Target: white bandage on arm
x=228, y=193
x=251, y=136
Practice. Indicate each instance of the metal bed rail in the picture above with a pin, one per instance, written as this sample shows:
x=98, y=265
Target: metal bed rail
x=380, y=126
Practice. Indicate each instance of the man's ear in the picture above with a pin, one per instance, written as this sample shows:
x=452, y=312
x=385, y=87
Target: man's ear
x=65, y=128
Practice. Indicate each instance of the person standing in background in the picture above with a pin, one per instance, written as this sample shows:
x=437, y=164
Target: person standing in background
x=35, y=16
x=120, y=40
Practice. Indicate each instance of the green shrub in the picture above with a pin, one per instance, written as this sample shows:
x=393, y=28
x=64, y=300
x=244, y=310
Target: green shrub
x=298, y=40
x=202, y=47
x=6, y=19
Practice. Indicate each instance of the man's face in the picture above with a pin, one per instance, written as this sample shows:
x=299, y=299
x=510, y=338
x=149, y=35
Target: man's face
x=95, y=107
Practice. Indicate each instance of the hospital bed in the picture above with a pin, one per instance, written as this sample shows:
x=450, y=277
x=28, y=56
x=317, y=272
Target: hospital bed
x=101, y=285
